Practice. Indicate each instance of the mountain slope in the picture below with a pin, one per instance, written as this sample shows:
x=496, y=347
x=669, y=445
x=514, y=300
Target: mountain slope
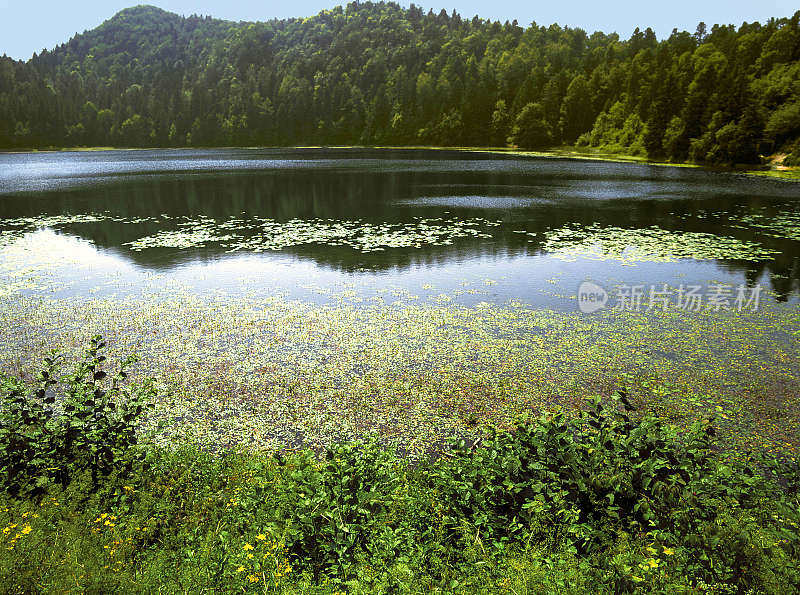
x=378, y=73
x=143, y=33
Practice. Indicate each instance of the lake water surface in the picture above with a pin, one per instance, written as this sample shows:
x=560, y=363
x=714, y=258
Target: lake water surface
x=378, y=224
x=295, y=297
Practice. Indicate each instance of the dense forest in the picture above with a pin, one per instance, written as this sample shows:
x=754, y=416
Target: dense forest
x=380, y=74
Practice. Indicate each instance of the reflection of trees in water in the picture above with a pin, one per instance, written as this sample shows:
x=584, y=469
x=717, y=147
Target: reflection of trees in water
x=784, y=274
x=547, y=201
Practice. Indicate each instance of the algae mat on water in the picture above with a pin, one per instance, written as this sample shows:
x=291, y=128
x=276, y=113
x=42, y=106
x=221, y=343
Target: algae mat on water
x=264, y=373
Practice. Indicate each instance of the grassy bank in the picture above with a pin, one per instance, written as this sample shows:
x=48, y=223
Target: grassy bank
x=611, y=499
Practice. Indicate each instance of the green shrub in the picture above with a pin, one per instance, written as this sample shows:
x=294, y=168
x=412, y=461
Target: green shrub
x=83, y=421
x=606, y=474
x=335, y=511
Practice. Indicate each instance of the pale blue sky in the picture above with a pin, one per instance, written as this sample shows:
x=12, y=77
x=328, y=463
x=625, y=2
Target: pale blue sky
x=27, y=27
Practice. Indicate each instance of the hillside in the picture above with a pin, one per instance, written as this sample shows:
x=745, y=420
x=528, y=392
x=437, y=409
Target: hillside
x=379, y=74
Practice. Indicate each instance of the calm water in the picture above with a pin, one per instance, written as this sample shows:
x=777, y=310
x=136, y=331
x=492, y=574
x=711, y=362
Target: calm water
x=381, y=225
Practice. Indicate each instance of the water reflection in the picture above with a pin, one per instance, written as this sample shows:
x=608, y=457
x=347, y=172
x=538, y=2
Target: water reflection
x=528, y=197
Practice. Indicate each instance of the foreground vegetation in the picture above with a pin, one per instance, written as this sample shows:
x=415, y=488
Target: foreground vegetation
x=610, y=498
x=376, y=73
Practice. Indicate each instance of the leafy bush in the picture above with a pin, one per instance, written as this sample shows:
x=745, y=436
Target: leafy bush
x=83, y=421
x=599, y=474
x=607, y=474
x=337, y=510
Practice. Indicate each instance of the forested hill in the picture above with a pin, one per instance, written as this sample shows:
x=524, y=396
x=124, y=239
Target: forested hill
x=381, y=74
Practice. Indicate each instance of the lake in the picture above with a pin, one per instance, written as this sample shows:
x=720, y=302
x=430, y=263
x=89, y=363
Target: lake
x=286, y=297
x=306, y=223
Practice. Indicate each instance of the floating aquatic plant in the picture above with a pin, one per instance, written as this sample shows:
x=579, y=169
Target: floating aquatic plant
x=265, y=373
x=652, y=244
x=783, y=224
x=259, y=234
x=262, y=372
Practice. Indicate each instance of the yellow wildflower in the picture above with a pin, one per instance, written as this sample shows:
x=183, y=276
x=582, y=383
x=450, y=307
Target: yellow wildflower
x=247, y=546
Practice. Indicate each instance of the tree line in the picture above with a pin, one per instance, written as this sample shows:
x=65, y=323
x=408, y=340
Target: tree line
x=379, y=74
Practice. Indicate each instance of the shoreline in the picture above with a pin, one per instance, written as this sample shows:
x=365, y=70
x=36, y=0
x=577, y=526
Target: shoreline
x=791, y=174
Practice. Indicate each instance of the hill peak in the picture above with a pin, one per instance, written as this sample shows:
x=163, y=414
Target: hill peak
x=140, y=9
